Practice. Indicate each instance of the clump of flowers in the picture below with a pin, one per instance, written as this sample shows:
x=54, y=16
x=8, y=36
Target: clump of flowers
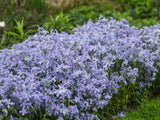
x=71, y=76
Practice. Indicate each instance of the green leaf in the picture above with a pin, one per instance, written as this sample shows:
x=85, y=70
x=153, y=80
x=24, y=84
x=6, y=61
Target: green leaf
x=3, y=39
x=20, y=27
x=30, y=31
x=13, y=34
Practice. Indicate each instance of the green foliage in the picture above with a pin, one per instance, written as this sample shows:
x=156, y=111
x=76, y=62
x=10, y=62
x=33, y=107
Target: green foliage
x=140, y=9
x=128, y=97
x=61, y=23
x=11, y=11
x=135, y=22
x=155, y=88
x=21, y=34
x=82, y=14
x=148, y=110
x=38, y=4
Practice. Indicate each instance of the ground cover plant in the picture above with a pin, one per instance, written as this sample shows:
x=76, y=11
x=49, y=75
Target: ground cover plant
x=73, y=76
x=138, y=13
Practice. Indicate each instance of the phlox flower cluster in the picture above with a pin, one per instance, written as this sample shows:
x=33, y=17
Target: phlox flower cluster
x=74, y=75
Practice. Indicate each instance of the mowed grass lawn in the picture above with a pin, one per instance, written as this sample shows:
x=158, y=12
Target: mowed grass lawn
x=149, y=110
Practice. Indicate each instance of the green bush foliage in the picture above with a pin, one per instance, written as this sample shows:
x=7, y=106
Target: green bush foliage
x=60, y=23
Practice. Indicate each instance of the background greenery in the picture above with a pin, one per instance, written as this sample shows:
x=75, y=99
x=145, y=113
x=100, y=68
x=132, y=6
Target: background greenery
x=22, y=18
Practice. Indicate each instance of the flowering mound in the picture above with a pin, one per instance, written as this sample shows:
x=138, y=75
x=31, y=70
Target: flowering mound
x=70, y=76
